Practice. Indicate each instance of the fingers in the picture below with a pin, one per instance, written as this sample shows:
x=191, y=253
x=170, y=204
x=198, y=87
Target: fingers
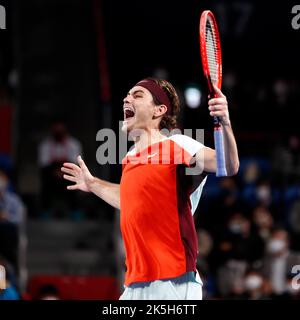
x=214, y=101
x=218, y=110
x=217, y=114
x=218, y=107
x=70, y=178
x=81, y=163
x=218, y=92
x=73, y=187
x=71, y=166
x=69, y=171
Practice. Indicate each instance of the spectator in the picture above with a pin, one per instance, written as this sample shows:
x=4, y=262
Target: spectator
x=263, y=221
x=53, y=151
x=279, y=260
x=223, y=206
x=205, y=245
x=239, y=249
x=264, y=193
x=240, y=241
x=254, y=285
x=286, y=160
x=8, y=291
x=11, y=216
x=11, y=203
x=251, y=173
x=249, y=179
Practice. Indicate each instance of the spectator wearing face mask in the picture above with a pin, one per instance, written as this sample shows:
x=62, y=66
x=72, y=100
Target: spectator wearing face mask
x=53, y=151
x=241, y=242
x=266, y=195
x=239, y=249
x=227, y=202
x=279, y=260
x=255, y=286
x=263, y=193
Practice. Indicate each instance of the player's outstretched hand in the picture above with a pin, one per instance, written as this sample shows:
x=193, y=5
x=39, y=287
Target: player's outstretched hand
x=80, y=175
x=218, y=106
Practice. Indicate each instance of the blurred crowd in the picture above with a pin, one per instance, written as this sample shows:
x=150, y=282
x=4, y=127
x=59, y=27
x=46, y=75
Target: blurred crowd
x=12, y=216
x=55, y=149
x=249, y=229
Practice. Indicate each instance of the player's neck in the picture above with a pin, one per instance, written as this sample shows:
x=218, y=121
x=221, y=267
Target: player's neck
x=147, y=138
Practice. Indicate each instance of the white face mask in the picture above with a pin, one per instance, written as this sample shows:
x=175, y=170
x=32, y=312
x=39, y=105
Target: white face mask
x=235, y=227
x=275, y=245
x=263, y=193
x=253, y=282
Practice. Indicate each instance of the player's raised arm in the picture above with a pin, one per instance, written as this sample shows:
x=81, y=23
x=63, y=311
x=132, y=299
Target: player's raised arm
x=85, y=181
x=218, y=107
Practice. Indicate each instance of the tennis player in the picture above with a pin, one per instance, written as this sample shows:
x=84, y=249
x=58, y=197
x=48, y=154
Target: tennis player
x=156, y=197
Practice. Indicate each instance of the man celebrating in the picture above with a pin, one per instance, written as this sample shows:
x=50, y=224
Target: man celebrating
x=156, y=198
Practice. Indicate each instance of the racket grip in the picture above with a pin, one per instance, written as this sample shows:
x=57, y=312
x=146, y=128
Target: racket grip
x=220, y=154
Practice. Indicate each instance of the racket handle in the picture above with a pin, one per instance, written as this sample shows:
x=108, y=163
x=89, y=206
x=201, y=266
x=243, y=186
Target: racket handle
x=220, y=153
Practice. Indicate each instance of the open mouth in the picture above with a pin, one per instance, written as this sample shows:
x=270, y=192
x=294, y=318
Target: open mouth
x=128, y=113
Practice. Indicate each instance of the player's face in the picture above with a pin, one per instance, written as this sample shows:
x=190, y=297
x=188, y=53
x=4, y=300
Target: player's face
x=138, y=110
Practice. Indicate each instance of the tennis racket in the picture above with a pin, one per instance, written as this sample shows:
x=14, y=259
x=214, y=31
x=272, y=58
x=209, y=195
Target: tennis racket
x=211, y=57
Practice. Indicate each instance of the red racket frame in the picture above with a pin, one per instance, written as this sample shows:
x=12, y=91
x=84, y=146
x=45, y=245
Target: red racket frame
x=218, y=134
x=202, y=31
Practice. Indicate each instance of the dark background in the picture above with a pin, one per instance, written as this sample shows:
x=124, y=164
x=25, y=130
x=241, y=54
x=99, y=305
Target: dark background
x=54, y=48
x=76, y=60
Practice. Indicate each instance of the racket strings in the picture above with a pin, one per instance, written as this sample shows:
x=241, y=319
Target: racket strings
x=212, y=51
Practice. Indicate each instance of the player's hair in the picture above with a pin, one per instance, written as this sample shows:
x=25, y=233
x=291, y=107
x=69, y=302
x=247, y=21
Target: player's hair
x=168, y=121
